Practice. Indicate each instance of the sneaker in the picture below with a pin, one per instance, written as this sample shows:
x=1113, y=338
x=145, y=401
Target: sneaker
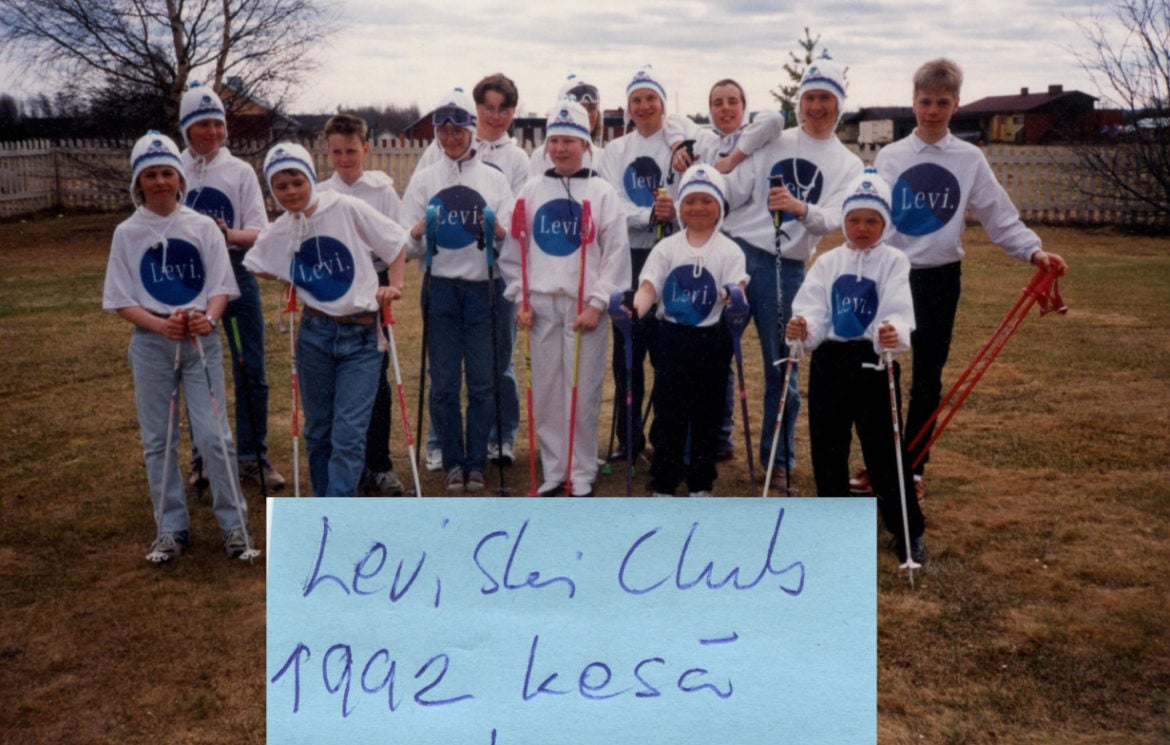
x=588, y=492
x=197, y=479
x=859, y=485
x=553, y=491
x=166, y=547
x=475, y=481
x=250, y=471
x=235, y=542
x=701, y=493
x=434, y=460
x=497, y=455
x=780, y=481
x=661, y=494
x=383, y=482
x=455, y=479
x=919, y=490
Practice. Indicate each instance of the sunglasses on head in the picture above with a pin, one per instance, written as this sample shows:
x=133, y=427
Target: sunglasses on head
x=585, y=93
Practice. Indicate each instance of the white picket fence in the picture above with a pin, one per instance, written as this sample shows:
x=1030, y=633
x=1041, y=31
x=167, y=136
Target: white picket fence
x=1045, y=182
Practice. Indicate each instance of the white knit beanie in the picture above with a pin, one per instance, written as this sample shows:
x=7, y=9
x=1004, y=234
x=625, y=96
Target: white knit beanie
x=824, y=75
x=568, y=118
x=869, y=191
x=455, y=107
x=703, y=178
x=199, y=103
x=645, y=79
x=154, y=149
x=285, y=156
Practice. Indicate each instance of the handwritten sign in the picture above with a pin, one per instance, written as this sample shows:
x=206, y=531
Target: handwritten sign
x=541, y=622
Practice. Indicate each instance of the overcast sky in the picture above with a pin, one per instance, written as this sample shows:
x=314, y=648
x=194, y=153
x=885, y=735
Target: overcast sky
x=408, y=53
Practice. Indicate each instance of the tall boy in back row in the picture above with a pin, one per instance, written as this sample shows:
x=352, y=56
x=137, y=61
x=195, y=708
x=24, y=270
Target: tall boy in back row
x=936, y=178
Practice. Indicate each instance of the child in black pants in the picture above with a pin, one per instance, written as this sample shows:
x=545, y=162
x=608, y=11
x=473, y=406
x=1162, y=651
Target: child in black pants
x=855, y=305
x=686, y=274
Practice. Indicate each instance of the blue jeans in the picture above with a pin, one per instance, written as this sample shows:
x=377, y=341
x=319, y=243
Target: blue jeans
x=152, y=361
x=761, y=294
x=246, y=314
x=338, y=365
x=459, y=345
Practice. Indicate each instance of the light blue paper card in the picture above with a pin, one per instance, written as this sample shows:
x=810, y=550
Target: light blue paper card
x=534, y=622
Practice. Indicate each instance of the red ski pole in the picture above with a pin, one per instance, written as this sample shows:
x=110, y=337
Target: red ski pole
x=520, y=233
x=290, y=308
x=388, y=327
x=1042, y=289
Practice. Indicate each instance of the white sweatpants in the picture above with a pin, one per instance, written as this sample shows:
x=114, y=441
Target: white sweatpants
x=553, y=352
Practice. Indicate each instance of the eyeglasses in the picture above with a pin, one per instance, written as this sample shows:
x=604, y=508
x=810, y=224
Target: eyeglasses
x=584, y=93
x=452, y=115
x=495, y=110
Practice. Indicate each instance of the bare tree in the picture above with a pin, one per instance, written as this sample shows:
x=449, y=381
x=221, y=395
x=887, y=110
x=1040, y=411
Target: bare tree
x=1126, y=56
x=151, y=49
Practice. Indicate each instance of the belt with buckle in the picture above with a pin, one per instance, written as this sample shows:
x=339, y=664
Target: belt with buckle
x=357, y=319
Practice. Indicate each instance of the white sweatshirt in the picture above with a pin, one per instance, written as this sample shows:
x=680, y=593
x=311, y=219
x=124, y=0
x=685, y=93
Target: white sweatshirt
x=636, y=167
x=933, y=186
x=225, y=187
x=376, y=189
x=848, y=293
x=689, y=282
x=327, y=255
x=167, y=263
x=461, y=190
x=552, y=209
x=504, y=154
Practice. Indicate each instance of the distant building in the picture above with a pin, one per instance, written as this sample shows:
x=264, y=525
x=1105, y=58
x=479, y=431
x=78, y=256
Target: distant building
x=251, y=118
x=1035, y=118
x=875, y=126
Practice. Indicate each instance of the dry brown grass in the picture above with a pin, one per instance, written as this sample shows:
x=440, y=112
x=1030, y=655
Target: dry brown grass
x=1040, y=619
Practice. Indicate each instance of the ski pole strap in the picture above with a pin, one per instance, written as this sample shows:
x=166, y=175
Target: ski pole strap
x=1047, y=292
x=735, y=313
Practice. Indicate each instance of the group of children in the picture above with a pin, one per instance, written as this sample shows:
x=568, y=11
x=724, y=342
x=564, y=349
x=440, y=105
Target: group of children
x=594, y=230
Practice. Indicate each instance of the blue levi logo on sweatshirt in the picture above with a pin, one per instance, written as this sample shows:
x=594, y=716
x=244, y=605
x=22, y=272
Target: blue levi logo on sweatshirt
x=174, y=276
x=323, y=267
x=213, y=203
x=855, y=304
x=926, y=197
x=641, y=179
x=688, y=294
x=802, y=178
x=460, y=214
x=557, y=227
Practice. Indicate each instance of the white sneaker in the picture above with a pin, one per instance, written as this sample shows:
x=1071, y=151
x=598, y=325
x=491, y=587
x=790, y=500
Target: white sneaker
x=703, y=493
x=497, y=454
x=434, y=460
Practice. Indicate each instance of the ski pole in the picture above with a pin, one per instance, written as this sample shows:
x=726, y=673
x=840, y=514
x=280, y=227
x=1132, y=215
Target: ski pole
x=290, y=308
x=623, y=322
x=662, y=228
x=586, y=233
x=520, y=234
x=388, y=329
x=1042, y=289
x=432, y=238
x=487, y=241
x=156, y=556
x=220, y=425
x=888, y=363
x=736, y=315
x=795, y=352
x=234, y=338
x=776, y=182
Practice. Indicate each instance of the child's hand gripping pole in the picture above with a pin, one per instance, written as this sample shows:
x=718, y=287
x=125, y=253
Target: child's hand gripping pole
x=887, y=364
x=388, y=329
x=520, y=235
x=736, y=316
x=623, y=320
x=290, y=308
x=795, y=353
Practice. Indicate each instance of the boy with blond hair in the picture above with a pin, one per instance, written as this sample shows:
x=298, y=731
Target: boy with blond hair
x=936, y=178
x=346, y=140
